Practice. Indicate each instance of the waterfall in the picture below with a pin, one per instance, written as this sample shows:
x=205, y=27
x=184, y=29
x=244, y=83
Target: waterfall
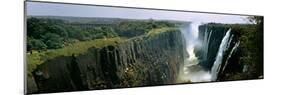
x=192, y=71
x=230, y=54
x=219, y=58
x=206, y=42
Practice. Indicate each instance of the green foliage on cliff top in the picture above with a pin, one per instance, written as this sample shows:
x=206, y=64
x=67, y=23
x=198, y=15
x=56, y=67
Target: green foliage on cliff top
x=48, y=38
x=38, y=57
x=154, y=32
x=57, y=32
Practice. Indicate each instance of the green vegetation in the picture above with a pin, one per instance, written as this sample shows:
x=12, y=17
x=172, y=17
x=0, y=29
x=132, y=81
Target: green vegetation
x=49, y=38
x=38, y=57
x=53, y=33
x=252, y=49
x=154, y=32
x=247, y=63
x=46, y=33
x=135, y=28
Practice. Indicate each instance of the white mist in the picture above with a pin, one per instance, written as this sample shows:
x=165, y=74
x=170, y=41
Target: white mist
x=191, y=71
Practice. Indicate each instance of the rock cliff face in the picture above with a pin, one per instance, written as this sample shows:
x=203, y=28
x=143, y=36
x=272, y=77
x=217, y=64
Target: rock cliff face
x=211, y=35
x=141, y=61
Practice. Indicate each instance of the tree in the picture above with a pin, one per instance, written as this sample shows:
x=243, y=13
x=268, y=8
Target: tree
x=57, y=29
x=35, y=44
x=35, y=28
x=258, y=43
x=256, y=19
x=53, y=41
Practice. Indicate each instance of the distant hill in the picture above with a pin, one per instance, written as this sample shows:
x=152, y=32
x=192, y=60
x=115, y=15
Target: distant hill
x=100, y=20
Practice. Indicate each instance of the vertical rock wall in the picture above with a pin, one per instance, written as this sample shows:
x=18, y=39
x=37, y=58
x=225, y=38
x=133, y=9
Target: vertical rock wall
x=141, y=61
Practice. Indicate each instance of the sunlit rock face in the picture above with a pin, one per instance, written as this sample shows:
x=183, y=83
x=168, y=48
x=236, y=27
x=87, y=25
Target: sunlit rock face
x=141, y=61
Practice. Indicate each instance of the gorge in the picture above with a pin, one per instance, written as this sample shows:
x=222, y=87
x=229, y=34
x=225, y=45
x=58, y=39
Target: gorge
x=188, y=52
x=141, y=61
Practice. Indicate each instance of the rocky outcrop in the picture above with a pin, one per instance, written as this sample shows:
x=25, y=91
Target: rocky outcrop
x=212, y=34
x=140, y=61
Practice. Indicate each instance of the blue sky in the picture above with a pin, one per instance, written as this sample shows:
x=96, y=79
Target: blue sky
x=54, y=9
